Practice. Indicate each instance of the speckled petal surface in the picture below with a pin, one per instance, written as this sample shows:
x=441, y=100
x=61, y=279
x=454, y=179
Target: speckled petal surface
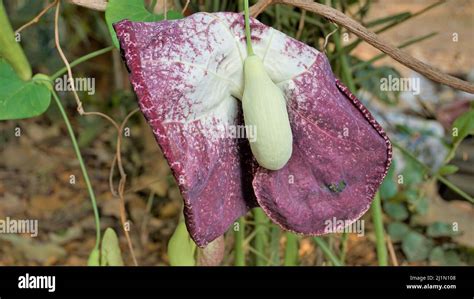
x=340, y=157
x=188, y=77
x=176, y=71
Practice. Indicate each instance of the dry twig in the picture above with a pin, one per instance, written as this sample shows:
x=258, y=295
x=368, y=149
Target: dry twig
x=37, y=18
x=118, y=158
x=393, y=255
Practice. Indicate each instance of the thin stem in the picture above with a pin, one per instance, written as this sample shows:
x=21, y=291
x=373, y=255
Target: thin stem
x=301, y=25
x=247, y=29
x=327, y=252
x=239, y=258
x=37, y=18
x=185, y=7
x=260, y=255
x=346, y=72
x=344, y=239
x=63, y=57
x=240, y=5
x=83, y=169
x=91, y=55
x=260, y=229
x=382, y=256
x=121, y=185
x=291, y=250
x=454, y=187
x=277, y=17
x=275, y=245
x=215, y=5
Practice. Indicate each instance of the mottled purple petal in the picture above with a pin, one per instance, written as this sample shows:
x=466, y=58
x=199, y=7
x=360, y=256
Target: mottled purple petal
x=340, y=157
x=189, y=111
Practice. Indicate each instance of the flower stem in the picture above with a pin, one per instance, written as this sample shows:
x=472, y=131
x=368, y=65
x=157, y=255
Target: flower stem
x=346, y=72
x=275, y=245
x=247, y=29
x=344, y=239
x=379, y=231
x=83, y=169
x=291, y=250
x=239, y=258
x=260, y=232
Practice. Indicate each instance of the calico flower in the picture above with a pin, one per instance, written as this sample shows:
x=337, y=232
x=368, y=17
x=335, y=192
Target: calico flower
x=188, y=76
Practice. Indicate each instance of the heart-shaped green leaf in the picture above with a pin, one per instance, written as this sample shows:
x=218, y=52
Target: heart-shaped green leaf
x=133, y=10
x=21, y=99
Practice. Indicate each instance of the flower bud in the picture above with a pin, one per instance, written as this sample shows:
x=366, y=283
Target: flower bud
x=264, y=107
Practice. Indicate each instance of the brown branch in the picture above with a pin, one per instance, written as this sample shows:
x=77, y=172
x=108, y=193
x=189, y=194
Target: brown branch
x=122, y=182
x=99, y=5
x=341, y=19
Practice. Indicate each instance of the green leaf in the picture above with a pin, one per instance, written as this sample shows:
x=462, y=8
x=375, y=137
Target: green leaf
x=396, y=210
x=133, y=10
x=463, y=126
x=110, y=249
x=416, y=247
x=21, y=99
x=181, y=248
x=397, y=230
x=448, y=169
x=439, y=229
